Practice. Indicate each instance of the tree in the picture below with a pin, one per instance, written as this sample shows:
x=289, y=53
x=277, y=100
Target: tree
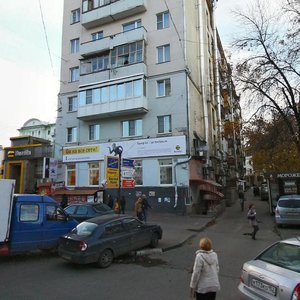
x=268, y=73
x=271, y=146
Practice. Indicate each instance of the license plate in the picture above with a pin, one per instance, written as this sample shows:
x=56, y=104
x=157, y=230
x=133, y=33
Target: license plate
x=263, y=286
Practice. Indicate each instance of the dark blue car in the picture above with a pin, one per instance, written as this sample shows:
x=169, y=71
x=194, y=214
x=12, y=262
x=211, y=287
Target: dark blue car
x=101, y=239
x=84, y=211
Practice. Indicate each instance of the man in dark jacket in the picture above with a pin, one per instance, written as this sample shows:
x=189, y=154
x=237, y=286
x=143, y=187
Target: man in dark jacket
x=145, y=206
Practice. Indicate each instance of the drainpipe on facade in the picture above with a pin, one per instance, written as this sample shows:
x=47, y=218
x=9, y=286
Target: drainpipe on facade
x=175, y=178
x=202, y=69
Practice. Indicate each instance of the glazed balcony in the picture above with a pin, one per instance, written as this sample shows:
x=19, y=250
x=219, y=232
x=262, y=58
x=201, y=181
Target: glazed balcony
x=110, y=11
x=110, y=42
x=131, y=106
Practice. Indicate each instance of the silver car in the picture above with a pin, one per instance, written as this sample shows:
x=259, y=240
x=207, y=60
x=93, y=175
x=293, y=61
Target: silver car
x=287, y=210
x=273, y=274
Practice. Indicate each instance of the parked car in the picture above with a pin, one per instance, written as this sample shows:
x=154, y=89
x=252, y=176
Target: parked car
x=99, y=240
x=85, y=211
x=287, y=211
x=264, y=191
x=273, y=274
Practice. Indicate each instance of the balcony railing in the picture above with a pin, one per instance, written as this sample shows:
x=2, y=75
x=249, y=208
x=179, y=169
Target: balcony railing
x=107, y=11
x=131, y=106
x=110, y=42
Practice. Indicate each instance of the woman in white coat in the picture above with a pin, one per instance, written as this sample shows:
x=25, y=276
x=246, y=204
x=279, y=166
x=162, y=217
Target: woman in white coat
x=205, y=281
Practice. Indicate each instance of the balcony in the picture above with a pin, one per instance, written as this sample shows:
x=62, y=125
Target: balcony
x=111, y=109
x=111, y=12
x=113, y=73
x=110, y=42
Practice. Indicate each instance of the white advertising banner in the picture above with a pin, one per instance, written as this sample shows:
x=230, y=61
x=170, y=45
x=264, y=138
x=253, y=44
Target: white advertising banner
x=165, y=146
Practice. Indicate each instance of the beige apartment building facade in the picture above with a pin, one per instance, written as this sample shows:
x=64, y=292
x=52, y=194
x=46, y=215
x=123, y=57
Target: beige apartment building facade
x=142, y=76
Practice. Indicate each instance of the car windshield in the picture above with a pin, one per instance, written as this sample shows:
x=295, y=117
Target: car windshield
x=101, y=207
x=289, y=203
x=85, y=228
x=283, y=255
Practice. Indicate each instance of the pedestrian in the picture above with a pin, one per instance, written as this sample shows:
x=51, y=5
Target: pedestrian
x=205, y=280
x=145, y=206
x=138, y=208
x=242, y=199
x=64, y=201
x=110, y=201
x=117, y=206
x=123, y=204
x=251, y=215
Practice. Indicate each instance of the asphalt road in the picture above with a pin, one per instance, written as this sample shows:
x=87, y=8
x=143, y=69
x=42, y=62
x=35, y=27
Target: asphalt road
x=161, y=277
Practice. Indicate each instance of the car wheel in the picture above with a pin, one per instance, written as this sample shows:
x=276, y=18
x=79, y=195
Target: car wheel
x=154, y=240
x=105, y=259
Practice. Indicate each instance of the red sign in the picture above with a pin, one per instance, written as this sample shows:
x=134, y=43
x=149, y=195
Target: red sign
x=128, y=183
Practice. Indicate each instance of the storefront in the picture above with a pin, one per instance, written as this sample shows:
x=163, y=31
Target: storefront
x=24, y=162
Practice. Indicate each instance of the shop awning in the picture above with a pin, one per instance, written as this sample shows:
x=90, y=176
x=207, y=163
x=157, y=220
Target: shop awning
x=208, y=186
x=76, y=192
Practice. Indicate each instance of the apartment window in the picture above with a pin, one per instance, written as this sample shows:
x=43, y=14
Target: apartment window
x=127, y=54
x=132, y=128
x=100, y=63
x=74, y=74
x=164, y=124
x=71, y=175
x=97, y=35
x=163, y=20
x=132, y=25
x=94, y=173
x=138, y=172
x=165, y=171
x=74, y=46
x=163, y=54
x=89, y=97
x=71, y=134
x=94, y=132
x=72, y=103
x=75, y=16
x=112, y=92
x=163, y=87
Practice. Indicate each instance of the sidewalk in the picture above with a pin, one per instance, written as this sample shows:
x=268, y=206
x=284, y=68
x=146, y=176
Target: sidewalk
x=178, y=229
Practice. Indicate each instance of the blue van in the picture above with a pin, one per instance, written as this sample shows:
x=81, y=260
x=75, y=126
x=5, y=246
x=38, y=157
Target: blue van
x=29, y=222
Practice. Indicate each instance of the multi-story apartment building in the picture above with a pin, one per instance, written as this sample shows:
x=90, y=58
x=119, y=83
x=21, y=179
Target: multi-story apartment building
x=142, y=75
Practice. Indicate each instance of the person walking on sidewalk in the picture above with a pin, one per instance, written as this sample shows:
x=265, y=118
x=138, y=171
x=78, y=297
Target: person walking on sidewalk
x=251, y=215
x=145, y=206
x=241, y=199
x=205, y=281
x=138, y=209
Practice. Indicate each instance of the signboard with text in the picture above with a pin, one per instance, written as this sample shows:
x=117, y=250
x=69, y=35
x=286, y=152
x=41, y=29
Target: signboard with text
x=112, y=172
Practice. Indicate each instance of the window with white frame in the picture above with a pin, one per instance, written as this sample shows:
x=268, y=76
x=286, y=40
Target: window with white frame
x=114, y=92
x=132, y=25
x=138, y=172
x=94, y=132
x=164, y=124
x=163, y=20
x=75, y=16
x=97, y=35
x=163, y=54
x=164, y=87
x=132, y=128
x=74, y=74
x=71, y=134
x=74, y=44
x=94, y=173
x=127, y=54
x=72, y=103
x=99, y=63
x=71, y=175
x=165, y=171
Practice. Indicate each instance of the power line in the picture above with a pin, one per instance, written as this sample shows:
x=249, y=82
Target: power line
x=46, y=37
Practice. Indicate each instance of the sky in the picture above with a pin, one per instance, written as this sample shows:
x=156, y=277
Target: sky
x=30, y=59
